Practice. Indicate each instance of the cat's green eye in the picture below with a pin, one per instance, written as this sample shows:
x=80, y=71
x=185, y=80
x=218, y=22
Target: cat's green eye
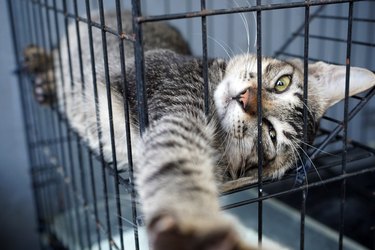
x=282, y=83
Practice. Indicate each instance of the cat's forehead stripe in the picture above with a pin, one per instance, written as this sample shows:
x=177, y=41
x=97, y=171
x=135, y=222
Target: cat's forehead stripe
x=274, y=67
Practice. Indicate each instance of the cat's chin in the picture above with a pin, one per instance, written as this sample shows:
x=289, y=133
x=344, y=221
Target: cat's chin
x=234, y=184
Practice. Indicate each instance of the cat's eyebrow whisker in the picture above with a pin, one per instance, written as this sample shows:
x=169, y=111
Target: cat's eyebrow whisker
x=222, y=46
x=255, y=21
x=246, y=26
x=245, y=23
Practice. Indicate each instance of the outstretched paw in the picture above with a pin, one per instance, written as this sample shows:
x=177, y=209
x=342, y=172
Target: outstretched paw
x=166, y=233
x=37, y=59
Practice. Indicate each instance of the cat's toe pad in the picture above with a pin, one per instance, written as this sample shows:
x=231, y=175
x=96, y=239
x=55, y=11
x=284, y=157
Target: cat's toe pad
x=44, y=89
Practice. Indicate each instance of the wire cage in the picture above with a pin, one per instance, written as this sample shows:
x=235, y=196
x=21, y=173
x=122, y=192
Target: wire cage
x=84, y=202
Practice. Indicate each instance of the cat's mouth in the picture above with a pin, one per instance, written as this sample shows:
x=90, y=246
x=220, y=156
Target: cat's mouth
x=248, y=102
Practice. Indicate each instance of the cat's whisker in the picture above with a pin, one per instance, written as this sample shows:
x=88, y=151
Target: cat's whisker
x=127, y=221
x=135, y=229
x=243, y=149
x=226, y=148
x=220, y=43
x=311, y=113
x=312, y=163
x=302, y=163
x=311, y=146
x=121, y=198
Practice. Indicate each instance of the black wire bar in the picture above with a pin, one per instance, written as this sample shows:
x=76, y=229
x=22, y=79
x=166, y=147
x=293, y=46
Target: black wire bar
x=72, y=163
x=333, y=39
x=345, y=124
x=139, y=62
x=267, y=7
x=300, y=188
x=79, y=144
x=111, y=128
x=305, y=120
x=64, y=153
x=89, y=22
x=342, y=18
x=50, y=130
x=125, y=87
x=260, y=123
x=98, y=127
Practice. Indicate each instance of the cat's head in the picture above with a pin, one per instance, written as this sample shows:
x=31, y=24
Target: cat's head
x=282, y=110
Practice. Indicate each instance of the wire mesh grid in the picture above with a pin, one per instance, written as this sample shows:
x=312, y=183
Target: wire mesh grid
x=85, y=202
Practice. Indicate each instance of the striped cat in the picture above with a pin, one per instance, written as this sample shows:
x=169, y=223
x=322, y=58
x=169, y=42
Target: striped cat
x=185, y=158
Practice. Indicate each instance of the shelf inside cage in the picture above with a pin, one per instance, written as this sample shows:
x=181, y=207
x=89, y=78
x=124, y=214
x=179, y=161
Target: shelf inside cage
x=317, y=235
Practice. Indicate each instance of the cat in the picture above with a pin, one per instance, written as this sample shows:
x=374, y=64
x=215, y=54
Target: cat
x=185, y=158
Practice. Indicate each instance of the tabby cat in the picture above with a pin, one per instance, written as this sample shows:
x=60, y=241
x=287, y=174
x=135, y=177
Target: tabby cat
x=185, y=158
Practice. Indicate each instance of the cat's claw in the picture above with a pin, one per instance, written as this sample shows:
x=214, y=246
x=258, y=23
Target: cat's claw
x=165, y=233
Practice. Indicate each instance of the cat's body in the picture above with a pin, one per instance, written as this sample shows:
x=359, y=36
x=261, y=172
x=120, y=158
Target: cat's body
x=184, y=155
x=76, y=97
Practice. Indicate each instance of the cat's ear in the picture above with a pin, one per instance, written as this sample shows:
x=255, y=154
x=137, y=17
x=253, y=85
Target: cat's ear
x=219, y=67
x=327, y=82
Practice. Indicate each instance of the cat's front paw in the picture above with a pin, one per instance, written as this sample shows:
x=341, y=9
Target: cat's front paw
x=167, y=233
x=39, y=63
x=44, y=88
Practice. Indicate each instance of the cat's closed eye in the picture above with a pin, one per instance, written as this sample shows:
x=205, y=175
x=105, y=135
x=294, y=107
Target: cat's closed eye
x=272, y=133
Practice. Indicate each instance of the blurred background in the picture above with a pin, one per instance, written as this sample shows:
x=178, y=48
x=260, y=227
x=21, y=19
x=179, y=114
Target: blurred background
x=226, y=36
x=18, y=228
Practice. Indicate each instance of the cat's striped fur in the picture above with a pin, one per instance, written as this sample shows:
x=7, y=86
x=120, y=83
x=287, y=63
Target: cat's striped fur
x=185, y=157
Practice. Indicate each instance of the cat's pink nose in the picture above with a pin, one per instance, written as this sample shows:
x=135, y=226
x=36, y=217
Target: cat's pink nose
x=248, y=101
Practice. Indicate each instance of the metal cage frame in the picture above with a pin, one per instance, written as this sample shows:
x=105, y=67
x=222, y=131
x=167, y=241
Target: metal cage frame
x=55, y=149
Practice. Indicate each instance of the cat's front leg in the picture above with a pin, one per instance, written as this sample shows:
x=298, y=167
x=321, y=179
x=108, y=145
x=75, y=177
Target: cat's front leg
x=175, y=180
x=39, y=63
